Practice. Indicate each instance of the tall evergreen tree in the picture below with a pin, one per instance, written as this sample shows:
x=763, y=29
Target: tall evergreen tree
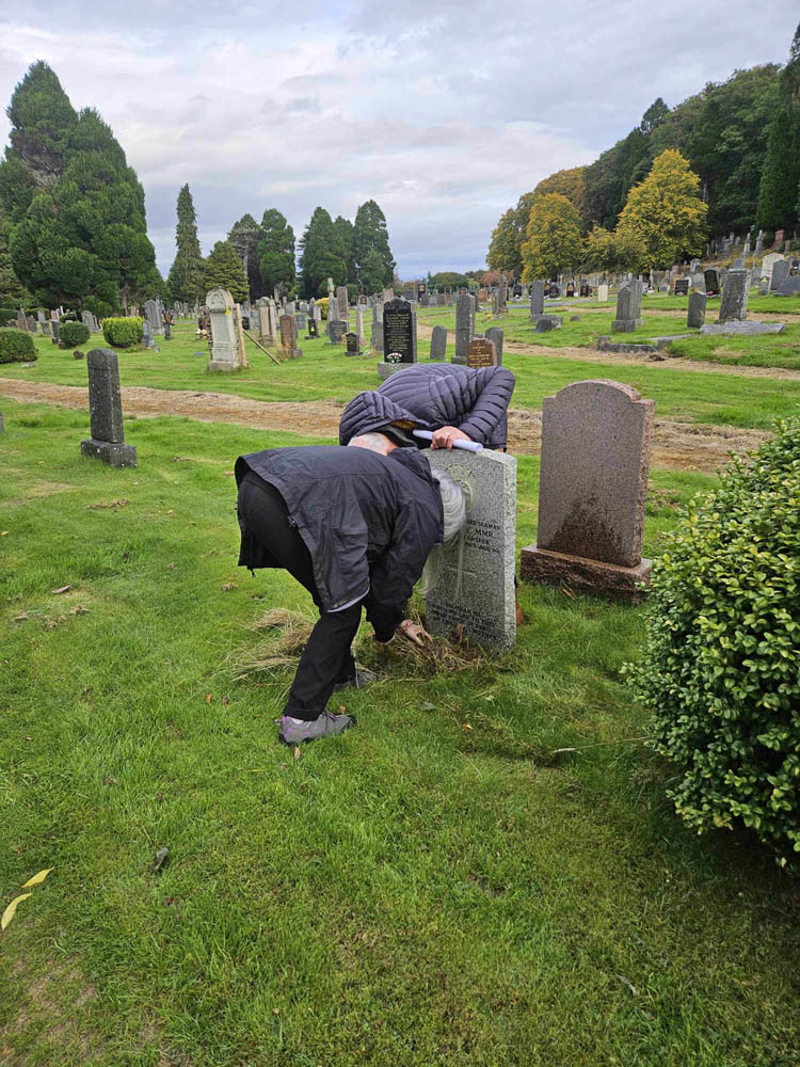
x=224, y=270
x=319, y=258
x=12, y=291
x=244, y=237
x=186, y=279
x=276, y=252
x=345, y=244
x=778, y=206
x=78, y=230
x=370, y=233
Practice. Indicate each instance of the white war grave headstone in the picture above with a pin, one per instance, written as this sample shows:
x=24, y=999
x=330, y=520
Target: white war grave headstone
x=471, y=584
x=225, y=354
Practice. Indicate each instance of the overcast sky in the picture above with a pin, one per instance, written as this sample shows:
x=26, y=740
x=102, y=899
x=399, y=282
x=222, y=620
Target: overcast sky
x=443, y=112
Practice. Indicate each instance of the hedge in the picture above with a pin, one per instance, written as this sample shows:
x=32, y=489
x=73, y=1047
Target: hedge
x=16, y=346
x=122, y=333
x=721, y=667
x=73, y=334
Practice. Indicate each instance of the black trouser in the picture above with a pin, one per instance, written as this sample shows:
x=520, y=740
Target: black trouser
x=326, y=659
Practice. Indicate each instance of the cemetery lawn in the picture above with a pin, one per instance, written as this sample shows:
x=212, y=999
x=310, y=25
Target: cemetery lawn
x=325, y=371
x=440, y=885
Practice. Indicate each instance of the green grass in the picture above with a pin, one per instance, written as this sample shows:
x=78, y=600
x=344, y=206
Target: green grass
x=415, y=892
x=324, y=371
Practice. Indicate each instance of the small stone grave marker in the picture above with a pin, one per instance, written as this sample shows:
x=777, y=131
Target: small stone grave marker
x=696, y=315
x=439, y=344
x=353, y=344
x=481, y=353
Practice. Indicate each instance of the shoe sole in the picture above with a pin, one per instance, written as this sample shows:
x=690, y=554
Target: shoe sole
x=308, y=740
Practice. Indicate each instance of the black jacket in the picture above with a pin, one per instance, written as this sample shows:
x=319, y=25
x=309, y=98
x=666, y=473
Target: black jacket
x=369, y=522
x=431, y=395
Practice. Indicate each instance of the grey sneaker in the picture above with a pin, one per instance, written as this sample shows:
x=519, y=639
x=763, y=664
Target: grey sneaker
x=360, y=679
x=326, y=725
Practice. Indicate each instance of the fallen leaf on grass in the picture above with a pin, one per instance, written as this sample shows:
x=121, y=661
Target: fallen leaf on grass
x=629, y=985
x=37, y=878
x=61, y=589
x=297, y=752
x=171, y=566
x=227, y=586
x=112, y=505
x=8, y=914
x=22, y=618
x=226, y=701
x=3, y=533
x=161, y=856
x=341, y=710
x=427, y=706
x=79, y=609
x=108, y=780
x=208, y=698
x=466, y=726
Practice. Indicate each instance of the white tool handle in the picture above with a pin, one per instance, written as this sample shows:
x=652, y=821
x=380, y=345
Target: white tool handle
x=466, y=446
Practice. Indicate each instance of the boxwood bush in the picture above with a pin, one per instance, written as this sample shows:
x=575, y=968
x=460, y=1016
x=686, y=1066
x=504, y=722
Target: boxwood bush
x=122, y=333
x=73, y=334
x=16, y=346
x=721, y=667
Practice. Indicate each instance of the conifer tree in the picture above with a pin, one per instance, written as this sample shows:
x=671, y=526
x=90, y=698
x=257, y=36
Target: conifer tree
x=186, y=279
x=224, y=270
x=370, y=233
x=244, y=237
x=78, y=230
x=345, y=244
x=276, y=252
x=778, y=193
x=319, y=258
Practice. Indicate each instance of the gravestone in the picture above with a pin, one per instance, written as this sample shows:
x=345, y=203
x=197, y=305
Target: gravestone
x=768, y=263
x=342, y=307
x=299, y=321
x=352, y=342
x=288, y=328
x=735, y=290
x=629, y=308
x=711, y=277
x=780, y=272
x=602, y=293
x=152, y=316
x=585, y=290
x=595, y=458
x=439, y=344
x=107, y=442
x=312, y=328
x=537, y=300
x=336, y=331
x=225, y=354
x=696, y=315
x=681, y=287
x=87, y=319
x=399, y=334
x=388, y=296
x=266, y=330
x=360, y=326
x=463, y=327
x=471, y=588
x=481, y=353
x=570, y=289
x=495, y=335
x=547, y=323
x=55, y=326
x=377, y=336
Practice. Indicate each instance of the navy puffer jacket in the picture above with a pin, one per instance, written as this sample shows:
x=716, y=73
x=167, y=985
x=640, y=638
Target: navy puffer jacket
x=431, y=395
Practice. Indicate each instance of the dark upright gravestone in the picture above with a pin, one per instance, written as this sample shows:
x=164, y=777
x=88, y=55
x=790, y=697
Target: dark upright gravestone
x=537, y=301
x=312, y=328
x=735, y=290
x=337, y=330
x=377, y=336
x=711, y=279
x=55, y=325
x=681, y=287
x=399, y=336
x=352, y=342
x=439, y=344
x=105, y=411
x=495, y=335
x=463, y=327
x=696, y=316
x=780, y=272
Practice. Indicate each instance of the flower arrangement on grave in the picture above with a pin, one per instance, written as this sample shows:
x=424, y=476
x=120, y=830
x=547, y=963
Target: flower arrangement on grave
x=394, y=357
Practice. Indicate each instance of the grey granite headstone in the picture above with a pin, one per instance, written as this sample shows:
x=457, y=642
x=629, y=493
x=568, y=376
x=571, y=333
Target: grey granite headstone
x=780, y=272
x=629, y=308
x=495, y=335
x=288, y=328
x=337, y=328
x=439, y=344
x=377, y=336
x=735, y=290
x=342, y=307
x=473, y=578
x=696, y=314
x=55, y=325
x=736, y=328
x=537, y=301
x=595, y=458
x=463, y=327
x=107, y=442
x=549, y=322
x=711, y=277
x=152, y=316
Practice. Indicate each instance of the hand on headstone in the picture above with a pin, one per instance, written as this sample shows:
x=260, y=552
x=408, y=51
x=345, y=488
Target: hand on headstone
x=446, y=435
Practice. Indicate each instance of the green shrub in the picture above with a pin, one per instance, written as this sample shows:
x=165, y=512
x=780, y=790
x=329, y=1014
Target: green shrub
x=73, y=334
x=16, y=346
x=122, y=333
x=101, y=309
x=721, y=667
x=6, y=314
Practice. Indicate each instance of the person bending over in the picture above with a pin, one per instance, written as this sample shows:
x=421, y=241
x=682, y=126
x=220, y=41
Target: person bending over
x=455, y=402
x=354, y=526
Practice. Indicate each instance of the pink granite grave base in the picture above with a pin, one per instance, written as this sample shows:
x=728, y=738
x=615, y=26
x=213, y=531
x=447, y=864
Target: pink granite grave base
x=585, y=575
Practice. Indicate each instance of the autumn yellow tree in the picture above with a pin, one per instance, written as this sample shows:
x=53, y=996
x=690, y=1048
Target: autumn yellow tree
x=554, y=241
x=664, y=214
x=569, y=183
x=504, y=246
x=611, y=251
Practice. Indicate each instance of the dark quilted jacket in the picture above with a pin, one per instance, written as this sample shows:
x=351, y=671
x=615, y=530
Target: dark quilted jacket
x=368, y=521
x=431, y=395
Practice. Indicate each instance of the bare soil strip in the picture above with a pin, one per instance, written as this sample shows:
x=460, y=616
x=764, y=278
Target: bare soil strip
x=676, y=445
